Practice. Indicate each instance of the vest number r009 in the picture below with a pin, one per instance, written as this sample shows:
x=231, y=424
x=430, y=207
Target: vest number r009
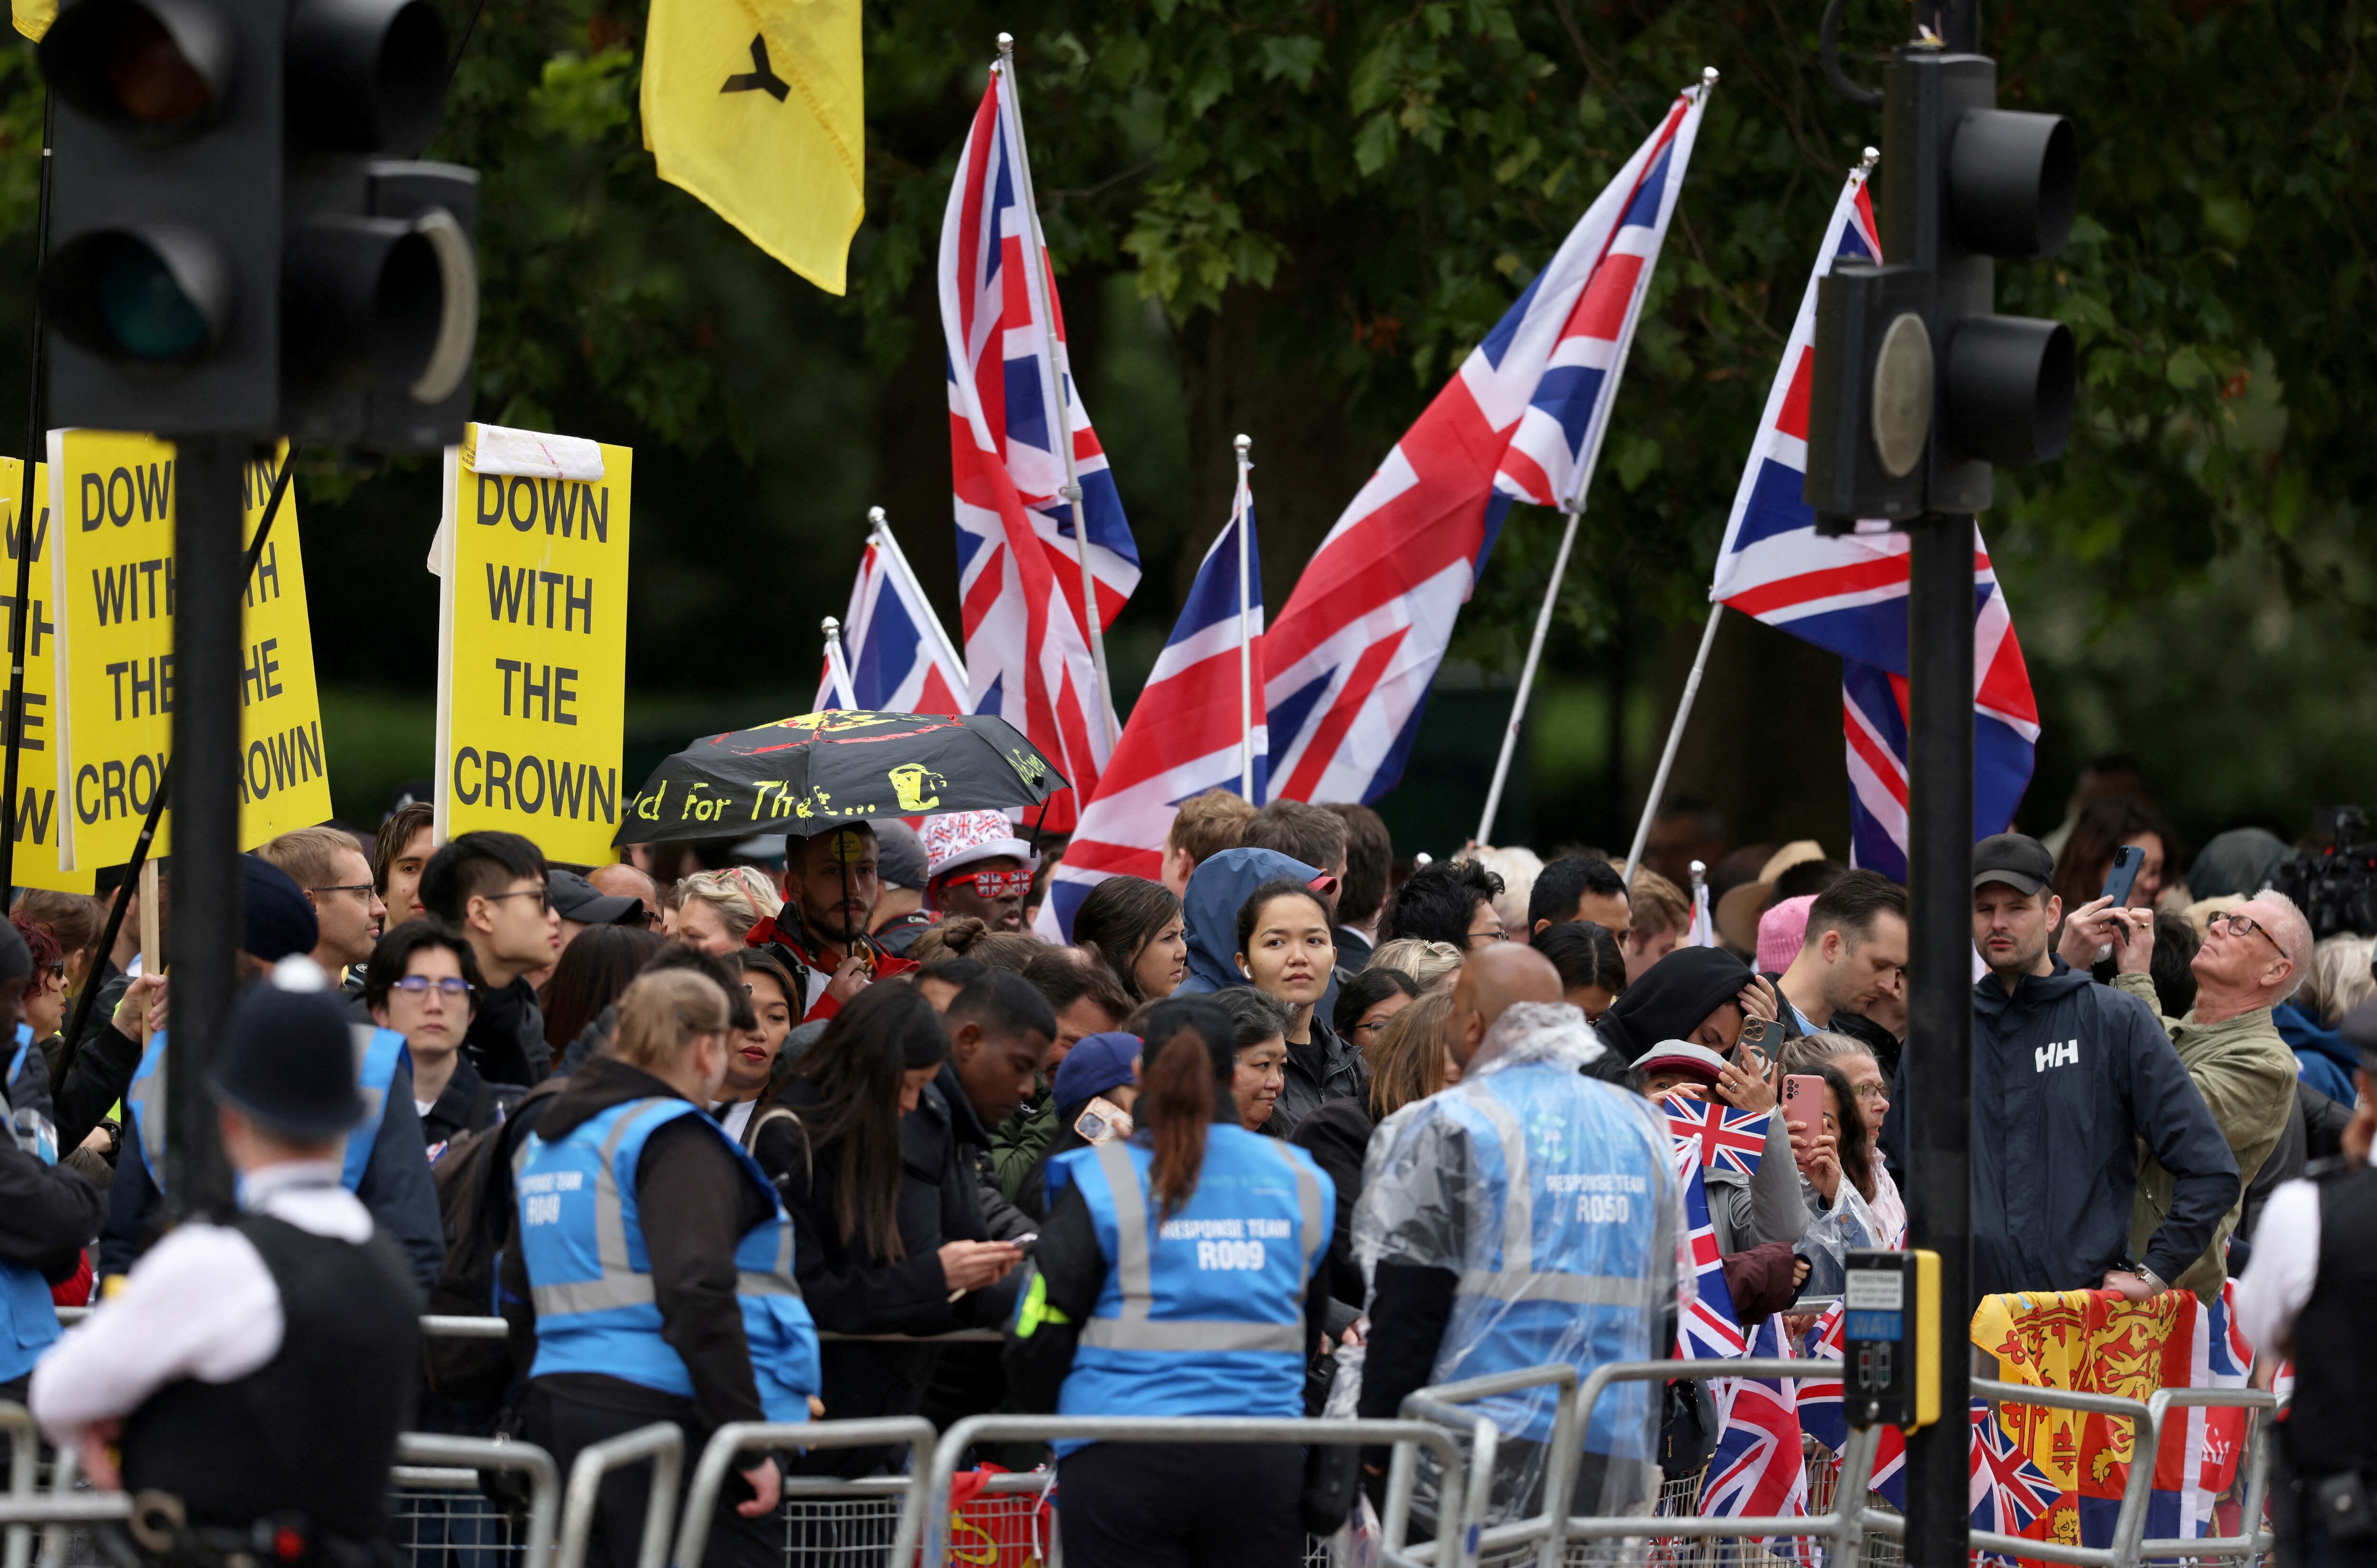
x=1229, y=1254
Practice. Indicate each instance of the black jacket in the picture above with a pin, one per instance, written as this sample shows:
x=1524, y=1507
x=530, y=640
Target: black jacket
x=1337, y=1135
x=46, y=1212
x=2068, y=1077
x=467, y=1103
x=945, y=1101
x=852, y=1288
x=695, y=1202
x=1324, y=1068
x=506, y=1038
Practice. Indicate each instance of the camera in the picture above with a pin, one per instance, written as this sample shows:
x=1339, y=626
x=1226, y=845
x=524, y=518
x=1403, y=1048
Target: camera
x=2336, y=887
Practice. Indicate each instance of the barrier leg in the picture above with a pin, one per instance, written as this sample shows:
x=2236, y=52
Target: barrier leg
x=664, y=1446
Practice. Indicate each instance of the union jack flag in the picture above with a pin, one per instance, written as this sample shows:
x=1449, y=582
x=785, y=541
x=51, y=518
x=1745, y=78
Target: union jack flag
x=1729, y=1139
x=2009, y=1493
x=1757, y=1471
x=1184, y=733
x=1823, y=1418
x=900, y=658
x=1353, y=653
x=1026, y=638
x=1849, y=594
x=1708, y=1328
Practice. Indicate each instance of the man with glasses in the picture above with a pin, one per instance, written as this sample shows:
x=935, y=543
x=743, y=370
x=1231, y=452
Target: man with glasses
x=328, y=868
x=2252, y=958
x=491, y=888
x=2068, y=1077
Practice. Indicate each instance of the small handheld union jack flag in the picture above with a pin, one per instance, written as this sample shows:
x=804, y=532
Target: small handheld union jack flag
x=1730, y=1140
x=1708, y=1327
x=2009, y=1493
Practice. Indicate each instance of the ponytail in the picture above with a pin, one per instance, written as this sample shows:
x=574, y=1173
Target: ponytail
x=1175, y=1106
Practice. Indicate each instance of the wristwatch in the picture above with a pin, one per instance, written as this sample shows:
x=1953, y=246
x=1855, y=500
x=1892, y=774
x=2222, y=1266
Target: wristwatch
x=2155, y=1282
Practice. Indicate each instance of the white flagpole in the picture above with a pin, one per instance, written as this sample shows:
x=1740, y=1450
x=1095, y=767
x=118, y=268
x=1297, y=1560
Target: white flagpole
x=1574, y=508
x=837, y=668
x=1692, y=691
x=1675, y=740
x=1239, y=508
x=896, y=560
x=1092, y=622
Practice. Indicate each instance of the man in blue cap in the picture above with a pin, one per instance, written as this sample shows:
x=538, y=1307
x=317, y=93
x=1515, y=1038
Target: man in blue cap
x=381, y=1161
x=249, y=1383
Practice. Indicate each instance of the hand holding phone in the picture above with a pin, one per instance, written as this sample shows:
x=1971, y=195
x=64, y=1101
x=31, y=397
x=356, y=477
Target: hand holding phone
x=2121, y=876
x=1803, y=1105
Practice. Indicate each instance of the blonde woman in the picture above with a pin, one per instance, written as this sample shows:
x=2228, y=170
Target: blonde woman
x=716, y=909
x=1434, y=964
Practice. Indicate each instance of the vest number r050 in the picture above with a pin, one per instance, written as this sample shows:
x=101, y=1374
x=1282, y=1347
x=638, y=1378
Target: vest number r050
x=1603, y=1208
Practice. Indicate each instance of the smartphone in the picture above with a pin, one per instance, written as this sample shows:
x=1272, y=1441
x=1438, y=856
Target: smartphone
x=2123, y=874
x=1803, y=1102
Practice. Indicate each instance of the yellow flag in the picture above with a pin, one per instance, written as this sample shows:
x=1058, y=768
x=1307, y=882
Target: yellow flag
x=33, y=18
x=755, y=106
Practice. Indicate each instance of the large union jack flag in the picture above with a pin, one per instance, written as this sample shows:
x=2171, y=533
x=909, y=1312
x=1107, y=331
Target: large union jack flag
x=1708, y=1327
x=1184, y=734
x=1823, y=1418
x=2008, y=1492
x=899, y=656
x=1355, y=649
x=1757, y=1471
x=1020, y=583
x=1849, y=594
x=1729, y=1139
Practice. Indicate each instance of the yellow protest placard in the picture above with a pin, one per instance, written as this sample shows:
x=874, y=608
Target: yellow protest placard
x=533, y=651
x=37, y=807
x=112, y=577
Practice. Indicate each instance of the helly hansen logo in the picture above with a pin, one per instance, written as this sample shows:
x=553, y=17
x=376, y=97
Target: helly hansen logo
x=2057, y=1053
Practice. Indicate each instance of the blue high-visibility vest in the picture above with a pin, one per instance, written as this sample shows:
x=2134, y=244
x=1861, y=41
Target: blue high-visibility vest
x=378, y=1053
x=1567, y=1182
x=589, y=1275
x=1203, y=1312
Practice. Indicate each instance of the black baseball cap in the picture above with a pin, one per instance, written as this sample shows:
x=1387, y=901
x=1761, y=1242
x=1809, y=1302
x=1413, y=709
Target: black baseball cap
x=2018, y=860
x=577, y=900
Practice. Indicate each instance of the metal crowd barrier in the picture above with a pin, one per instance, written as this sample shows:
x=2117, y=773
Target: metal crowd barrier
x=701, y=1501
x=662, y=1443
x=437, y=1462
x=1455, y=1542
x=24, y=1457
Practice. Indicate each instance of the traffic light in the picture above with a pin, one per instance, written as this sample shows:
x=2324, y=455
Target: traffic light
x=165, y=210
x=1918, y=387
x=240, y=248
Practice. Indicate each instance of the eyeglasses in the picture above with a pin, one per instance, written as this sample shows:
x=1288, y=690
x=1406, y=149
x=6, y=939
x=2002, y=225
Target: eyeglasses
x=543, y=896
x=363, y=889
x=453, y=987
x=1872, y=1093
x=993, y=884
x=2238, y=925
x=1370, y=1031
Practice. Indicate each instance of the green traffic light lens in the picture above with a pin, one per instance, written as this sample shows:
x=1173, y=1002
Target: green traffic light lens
x=143, y=309
x=150, y=79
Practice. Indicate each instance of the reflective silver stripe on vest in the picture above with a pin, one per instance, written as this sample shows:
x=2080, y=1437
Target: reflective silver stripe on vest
x=1134, y=1269
x=1517, y=1280
x=620, y=1285
x=148, y=1096
x=779, y=1282
x=1193, y=1333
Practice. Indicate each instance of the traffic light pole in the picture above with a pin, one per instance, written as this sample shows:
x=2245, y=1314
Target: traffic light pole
x=205, y=896
x=1939, y=1007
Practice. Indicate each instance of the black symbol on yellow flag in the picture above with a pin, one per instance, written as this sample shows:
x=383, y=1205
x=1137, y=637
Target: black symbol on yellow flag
x=759, y=79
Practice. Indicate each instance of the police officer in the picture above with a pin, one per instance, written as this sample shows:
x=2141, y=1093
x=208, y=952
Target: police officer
x=380, y=1161
x=253, y=1376
x=1529, y=1215
x=654, y=1269
x=1178, y=1274
x=2308, y=1294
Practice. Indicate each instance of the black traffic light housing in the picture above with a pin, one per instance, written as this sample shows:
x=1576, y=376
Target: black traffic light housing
x=1964, y=185
x=238, y=249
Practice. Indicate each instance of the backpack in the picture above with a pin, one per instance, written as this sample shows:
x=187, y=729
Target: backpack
x=474, y=1206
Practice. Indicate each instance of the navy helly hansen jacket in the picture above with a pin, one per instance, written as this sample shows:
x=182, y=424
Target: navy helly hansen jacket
x=2068, y=1077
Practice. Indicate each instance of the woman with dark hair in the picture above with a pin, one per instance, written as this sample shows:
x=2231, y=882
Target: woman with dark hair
x=1136, y=927
x=890, y=1233
x=591, y=971
x=756, y=1067
x=1287, y=949
x=1367, y=1001
x=1702, y=996
x=1221, y=1233
x=1259, y=1041
x=1592, y=965
x=2106, y=824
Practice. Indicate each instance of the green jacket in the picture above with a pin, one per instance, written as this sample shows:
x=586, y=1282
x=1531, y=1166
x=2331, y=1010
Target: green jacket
x=2246, y=1075
x=1016, y=1144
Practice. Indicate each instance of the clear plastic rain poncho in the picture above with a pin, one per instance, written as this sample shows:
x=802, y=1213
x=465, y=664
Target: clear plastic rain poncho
x=1553, y=1197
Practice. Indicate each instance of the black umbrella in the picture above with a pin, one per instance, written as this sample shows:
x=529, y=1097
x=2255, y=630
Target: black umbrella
x=804, y=775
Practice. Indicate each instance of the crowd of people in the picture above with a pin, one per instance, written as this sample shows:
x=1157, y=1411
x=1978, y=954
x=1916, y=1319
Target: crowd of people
x=1297, y=1126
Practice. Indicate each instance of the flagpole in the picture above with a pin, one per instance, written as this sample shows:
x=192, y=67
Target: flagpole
x=1675, y=740
x=837, y=667
x=1691, y=688
x=1575, y=511
x=1092, y=620
x=1240, y=508
x=897, y=561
